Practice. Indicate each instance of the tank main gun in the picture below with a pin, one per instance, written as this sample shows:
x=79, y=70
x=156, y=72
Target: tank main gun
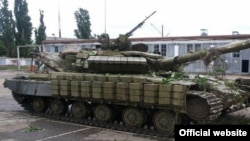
x=121, y=43
x=207, y=55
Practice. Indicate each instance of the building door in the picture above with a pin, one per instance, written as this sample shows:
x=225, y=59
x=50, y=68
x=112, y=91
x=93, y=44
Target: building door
x=245, y=66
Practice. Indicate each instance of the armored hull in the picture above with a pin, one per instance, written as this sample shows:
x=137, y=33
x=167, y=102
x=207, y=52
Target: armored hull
x=137, y=101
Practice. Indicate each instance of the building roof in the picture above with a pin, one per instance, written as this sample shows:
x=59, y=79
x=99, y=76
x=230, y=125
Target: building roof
x=151, y=39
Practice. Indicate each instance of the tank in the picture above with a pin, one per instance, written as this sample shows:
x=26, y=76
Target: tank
x=126, y=87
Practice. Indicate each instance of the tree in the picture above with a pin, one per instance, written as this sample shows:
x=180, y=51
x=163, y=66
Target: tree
x=2, y=48
x=7, y=31
x=40, y=34
x=23, y=25
x=83, y=30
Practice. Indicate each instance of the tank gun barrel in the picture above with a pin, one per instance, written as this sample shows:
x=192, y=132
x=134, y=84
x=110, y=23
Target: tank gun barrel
x=128, y=34
x=35, y=54
x=206, y=55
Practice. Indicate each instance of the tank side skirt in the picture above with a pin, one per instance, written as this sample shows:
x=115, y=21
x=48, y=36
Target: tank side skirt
x=43, y=88
x=29, y=87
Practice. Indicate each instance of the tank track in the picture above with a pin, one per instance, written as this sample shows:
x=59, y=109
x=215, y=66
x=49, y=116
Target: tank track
x=115, y=125
x=92, y=121
x=212, y=101
x=214, y=106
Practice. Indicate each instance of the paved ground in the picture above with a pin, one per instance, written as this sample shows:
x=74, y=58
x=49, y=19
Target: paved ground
x=17, y=125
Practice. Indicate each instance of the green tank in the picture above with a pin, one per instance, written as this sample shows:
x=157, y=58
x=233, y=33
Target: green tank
x=129, y=86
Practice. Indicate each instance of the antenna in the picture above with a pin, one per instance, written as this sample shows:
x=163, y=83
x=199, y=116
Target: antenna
x=161, y=32
x=105, y=16
x=59, y=20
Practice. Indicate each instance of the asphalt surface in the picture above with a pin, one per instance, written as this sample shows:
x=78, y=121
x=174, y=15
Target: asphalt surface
x=18, y=125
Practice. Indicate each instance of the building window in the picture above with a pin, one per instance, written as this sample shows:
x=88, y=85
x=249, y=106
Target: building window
x=189, y=48
x=83, y=46
x=197, y=47
x=156, y=49
x=236, y=54
x=163, y=49
x=47, y=49
x=56, y=49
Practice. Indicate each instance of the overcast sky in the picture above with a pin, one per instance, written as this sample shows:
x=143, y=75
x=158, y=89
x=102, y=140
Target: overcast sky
x=178, y=17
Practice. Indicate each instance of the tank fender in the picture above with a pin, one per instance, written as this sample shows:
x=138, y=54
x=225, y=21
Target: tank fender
x=28, y=87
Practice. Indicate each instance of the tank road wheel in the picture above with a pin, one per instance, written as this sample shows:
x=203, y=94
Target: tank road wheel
x=103, y=113
x=164, y=121
x=197, y=108
x=38, y=105
x=58, y=107
x=79, y=110
x=133, y=117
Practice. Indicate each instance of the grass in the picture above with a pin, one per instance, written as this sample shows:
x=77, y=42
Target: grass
x=14, y=68
x=32, y=129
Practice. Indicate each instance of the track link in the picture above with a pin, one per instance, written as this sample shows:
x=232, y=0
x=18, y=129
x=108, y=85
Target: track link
x=115, y=125
x=214, y=105
x=91, y=121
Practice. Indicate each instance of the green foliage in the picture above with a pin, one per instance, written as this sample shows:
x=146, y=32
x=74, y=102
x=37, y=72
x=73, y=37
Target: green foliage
x=7, y=31
x=202, y=83
x=23, y=26
x=83, y=30
x=242, y=100
x=2, y=49
x=152, y=74
x=32, y=129
x=219, y=69
x=174, y=76
x=165, y=81
x=11, y=67
x=236, y=93
x=155, y=74
x=230, y=83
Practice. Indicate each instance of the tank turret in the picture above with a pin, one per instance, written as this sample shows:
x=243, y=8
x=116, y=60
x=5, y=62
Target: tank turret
x=110, y=61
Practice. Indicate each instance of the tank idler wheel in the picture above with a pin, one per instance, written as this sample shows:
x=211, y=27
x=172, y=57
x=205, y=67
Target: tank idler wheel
x=58, y=107
x=197, y=108
x=164, y=121
x=38, y=105
x=17, y=97
x=79, y=110
x=103, y=113
x=133, y=117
